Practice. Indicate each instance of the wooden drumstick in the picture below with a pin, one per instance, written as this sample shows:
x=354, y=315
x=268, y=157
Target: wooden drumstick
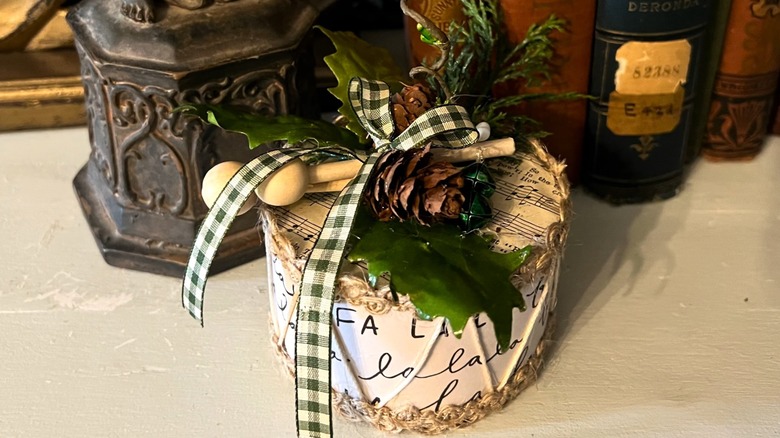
x=288, y=184
x=502, y=147
x=285, y=186
x=330, y=186
x=217, y=178
x=488, y=149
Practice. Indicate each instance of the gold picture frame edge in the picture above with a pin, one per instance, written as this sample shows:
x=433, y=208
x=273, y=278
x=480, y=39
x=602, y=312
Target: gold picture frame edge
x=42, y=102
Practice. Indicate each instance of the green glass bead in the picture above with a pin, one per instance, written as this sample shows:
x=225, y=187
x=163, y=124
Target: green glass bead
x=479, y=179
x=476, y=214
x=426, y=36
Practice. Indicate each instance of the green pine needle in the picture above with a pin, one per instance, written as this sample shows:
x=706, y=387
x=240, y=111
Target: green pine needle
x=483, y=57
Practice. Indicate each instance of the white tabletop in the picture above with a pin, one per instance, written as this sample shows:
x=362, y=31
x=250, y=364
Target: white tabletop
x=668, y=321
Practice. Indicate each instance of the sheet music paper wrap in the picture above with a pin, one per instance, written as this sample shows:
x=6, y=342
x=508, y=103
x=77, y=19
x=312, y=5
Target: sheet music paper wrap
x=382, y=352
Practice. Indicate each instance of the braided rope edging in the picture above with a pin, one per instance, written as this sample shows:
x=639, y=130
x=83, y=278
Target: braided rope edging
x=449, y=418
x=555, y=239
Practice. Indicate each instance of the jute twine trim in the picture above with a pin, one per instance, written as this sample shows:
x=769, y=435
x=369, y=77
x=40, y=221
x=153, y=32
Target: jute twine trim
x=358, y=292
x=555, y=238
x=429, y=422
x=283, y=249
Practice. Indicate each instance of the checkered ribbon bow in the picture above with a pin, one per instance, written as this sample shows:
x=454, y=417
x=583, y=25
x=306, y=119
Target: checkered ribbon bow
x=447, y=125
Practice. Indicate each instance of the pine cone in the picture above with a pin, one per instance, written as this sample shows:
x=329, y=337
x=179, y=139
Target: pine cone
x=409, y=104
x=407, y=185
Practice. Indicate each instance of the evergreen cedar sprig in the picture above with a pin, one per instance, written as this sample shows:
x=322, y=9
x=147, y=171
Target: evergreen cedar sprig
x=483, y=57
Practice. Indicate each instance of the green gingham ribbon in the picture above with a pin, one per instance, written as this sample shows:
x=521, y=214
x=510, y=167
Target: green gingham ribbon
x=449, y=125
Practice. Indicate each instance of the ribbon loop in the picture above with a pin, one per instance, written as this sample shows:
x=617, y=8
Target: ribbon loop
x=371, y=102
x=448, y=125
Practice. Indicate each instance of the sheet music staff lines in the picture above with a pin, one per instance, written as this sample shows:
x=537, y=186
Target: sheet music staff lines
x=527, y=194
x=323, y=199
x=298, y=225
x=506, y=223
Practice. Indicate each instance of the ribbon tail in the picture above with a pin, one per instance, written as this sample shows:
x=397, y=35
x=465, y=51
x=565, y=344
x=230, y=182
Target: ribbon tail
x=216, y=224
x=318, y=287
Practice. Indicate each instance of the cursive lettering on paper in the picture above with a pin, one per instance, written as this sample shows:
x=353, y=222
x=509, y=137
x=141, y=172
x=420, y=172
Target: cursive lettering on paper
x=385, y=360
x=455, y=365
x=449, y=389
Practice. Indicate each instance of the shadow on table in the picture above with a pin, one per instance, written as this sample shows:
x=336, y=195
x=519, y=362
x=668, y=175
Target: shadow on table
x=605, y=240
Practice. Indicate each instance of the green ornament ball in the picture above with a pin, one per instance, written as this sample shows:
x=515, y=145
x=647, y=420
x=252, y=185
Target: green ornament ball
x=476, y=213
x=479, y=179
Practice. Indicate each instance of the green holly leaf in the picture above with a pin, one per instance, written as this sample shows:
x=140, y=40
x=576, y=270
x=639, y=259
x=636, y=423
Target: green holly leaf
x=265, y=129
x=355, y=57
x=443, y=272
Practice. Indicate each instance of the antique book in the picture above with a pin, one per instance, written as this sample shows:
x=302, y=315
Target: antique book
x=746, y=82
x=565, y=120
x=716, y=32
x=647, y=59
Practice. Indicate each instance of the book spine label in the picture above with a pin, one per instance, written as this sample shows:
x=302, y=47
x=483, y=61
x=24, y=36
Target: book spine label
x=746, y=81
x=644, y=74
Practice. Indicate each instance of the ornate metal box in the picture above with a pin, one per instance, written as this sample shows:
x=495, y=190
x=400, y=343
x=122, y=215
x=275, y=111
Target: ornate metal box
x=140, y=189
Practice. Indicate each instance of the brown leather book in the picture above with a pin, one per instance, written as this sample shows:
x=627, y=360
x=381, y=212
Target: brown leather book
x=565, y=120
x=746, y=82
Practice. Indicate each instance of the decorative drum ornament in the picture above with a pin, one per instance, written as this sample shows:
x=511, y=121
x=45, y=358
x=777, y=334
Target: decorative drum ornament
x=399, y=371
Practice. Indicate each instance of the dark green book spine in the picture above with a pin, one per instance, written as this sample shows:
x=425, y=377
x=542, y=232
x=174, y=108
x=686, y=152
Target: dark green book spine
x=645, y=72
